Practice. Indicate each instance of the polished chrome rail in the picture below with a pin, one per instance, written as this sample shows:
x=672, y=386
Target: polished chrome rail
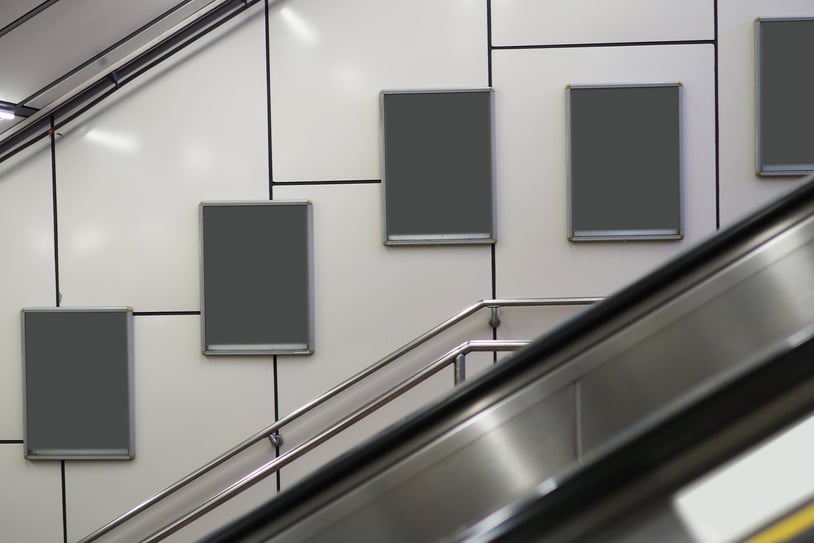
x=492, y=304
x=276, y=464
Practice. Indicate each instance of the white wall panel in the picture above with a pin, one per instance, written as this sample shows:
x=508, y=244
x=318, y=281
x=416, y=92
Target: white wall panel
x=130, y=177
x=741, y=189
x=539, y=22
x=529, y=323
x=432, y=389
x=330, y=60
x=189, y=409
x=27, y=248
x=30, y=497
x=534, y=257
x=371, y=299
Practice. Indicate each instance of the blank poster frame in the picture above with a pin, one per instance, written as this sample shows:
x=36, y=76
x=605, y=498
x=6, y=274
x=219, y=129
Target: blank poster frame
x=637, y=234
x=761, y=168
x=270, y=348
x=487, y=235
x=127, y=449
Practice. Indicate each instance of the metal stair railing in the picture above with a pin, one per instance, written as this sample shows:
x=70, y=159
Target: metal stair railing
x=286, y=458
x=272, y=431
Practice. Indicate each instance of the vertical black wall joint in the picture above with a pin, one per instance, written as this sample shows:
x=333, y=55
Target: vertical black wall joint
x=52, y=137
x=489, y=82
x=271, y=197
x=64, y=504
x=268, y=103
x=717, y=124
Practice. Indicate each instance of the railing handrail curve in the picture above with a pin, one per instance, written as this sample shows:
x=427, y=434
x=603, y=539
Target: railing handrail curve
x=332, y=392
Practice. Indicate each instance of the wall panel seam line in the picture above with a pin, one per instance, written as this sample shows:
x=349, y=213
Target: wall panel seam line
x=328, y=182
x=270, y=155
x=489, y=41
x=604, y=44
x=164, y=313
x=717, y=123
x=64, y=503
x=269, y=150
x=52, y=137
x=492, y=249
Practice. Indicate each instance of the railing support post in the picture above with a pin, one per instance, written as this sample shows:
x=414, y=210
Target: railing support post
x=276, y=439
x=460, y=368
x=494, y=321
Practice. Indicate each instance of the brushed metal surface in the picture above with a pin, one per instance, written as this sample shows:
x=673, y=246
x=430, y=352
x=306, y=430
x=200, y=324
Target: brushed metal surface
x=703, y=328
x=494, y=458
x=733, y=315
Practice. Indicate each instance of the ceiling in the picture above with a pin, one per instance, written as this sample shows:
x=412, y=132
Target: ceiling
x=50, y=48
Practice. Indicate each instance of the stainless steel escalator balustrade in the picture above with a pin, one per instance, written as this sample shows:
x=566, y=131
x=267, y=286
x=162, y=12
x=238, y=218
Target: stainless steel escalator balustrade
x=685, y=329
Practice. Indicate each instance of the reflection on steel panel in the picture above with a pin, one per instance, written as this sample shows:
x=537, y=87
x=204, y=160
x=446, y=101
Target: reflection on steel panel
x=495, y=457
x=683, y=331
x=736, y=317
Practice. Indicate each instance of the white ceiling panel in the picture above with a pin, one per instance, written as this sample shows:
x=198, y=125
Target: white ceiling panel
x=67, y=34
x=11, y=10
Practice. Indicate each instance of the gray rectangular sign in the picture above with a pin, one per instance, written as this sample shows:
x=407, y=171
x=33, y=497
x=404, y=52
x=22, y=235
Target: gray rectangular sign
x=438, y=167
x=78, y=383
x=257, y=277
x=624, y=162
x=785, y=109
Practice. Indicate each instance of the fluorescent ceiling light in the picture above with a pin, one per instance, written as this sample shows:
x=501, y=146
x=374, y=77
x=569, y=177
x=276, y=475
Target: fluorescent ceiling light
x=6, y=114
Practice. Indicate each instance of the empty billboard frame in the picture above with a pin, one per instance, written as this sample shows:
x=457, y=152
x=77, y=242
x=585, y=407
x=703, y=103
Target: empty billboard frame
x=437, y=149
x=784, y=109
x=624, y=162
x=257, y=277
x=78, y=383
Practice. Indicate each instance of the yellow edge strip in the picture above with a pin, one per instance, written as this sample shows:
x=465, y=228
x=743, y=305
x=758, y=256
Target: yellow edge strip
x=787, y=528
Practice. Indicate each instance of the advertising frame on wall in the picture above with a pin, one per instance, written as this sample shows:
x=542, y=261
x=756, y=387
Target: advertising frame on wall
x=257, y=277
x=78, y=384
x=624, y=175
x=783, y=105
x=438, y=167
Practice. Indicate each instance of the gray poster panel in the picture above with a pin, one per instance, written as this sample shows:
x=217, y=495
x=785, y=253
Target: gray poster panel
x=257, y=277
x=78, y=383
x=784, y=83
x=438, y=166
x=624, y=162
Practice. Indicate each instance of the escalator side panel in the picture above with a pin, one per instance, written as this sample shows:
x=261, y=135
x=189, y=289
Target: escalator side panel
x=709, y=341
x=436, y=492
x=765, y=296
x=424, y=473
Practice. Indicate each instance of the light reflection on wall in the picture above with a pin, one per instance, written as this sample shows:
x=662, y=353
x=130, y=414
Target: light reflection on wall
x=299, y=26
x=113, y=141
